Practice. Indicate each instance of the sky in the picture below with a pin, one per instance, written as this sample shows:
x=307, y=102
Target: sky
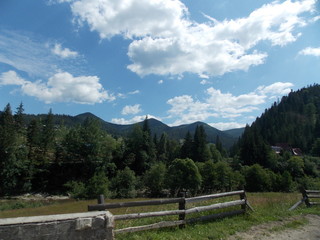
x=222, y=62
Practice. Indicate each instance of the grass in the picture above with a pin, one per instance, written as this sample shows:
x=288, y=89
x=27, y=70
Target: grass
x=268, y=207
x=290, y=225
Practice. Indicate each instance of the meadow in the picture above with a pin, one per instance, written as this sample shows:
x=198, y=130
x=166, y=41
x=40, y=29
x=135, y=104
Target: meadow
x=267, y=207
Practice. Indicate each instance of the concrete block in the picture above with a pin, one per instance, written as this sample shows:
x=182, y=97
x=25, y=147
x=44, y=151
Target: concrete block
x=83, y=223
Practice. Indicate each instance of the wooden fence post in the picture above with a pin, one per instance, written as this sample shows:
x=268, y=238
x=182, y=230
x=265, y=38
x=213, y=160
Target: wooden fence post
x=182, y=206
x=243, y=197
x=101, y=199
x=306, y=197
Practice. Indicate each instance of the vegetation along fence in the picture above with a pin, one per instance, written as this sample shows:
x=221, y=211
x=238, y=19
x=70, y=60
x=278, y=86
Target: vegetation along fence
x=306, y=196
x=182, y=210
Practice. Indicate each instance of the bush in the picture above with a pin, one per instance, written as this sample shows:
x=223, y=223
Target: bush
x=257, y=179
x=154, y=179
x=123, y=185
x=76, y=189
x=98, y=184
x=183, y=175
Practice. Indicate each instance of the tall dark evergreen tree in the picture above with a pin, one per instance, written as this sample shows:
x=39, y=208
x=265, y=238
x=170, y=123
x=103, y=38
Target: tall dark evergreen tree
x=10, y=166
x=19, y=119
x=48, y=132
x=201, y=152
x=186, y=150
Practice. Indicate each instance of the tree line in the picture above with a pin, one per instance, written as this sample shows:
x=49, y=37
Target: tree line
x=85, y=160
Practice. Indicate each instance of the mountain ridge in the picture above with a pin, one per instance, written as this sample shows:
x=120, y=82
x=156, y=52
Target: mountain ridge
x=227, y=138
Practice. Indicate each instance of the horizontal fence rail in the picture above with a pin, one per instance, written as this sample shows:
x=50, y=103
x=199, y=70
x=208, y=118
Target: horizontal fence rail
x=104, y=206
x=182, y=212
x=306, y=196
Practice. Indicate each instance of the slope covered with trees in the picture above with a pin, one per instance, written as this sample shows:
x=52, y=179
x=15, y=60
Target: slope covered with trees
x=292, y=125
x=83, y=158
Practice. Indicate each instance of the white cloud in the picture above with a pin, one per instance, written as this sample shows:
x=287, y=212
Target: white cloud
x=131, y=109
x=310, y=51
x=30, y=54
x=51, y=2
x=134, y=92
x=25, y=53
x=278, y=88
x=11, y=78
x=61, y=87
x=130, y=18
x=63, y=53
x=160, y=81
x=204, y=82
x=227, y=125
x=317, y=18
x=133, y=120
x=186, y=109
x=219, y=47
x=166, y=42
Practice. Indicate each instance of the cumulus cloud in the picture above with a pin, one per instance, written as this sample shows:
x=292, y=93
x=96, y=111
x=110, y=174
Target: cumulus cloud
x=186, y=109
x=135, y=119
x=130, y=18
x=11, y=78
x=310, y=51
x=131, y=109
x=278, y=88
x=63, y=52
x=166, y=42
x=61, y=87
x=227, y=125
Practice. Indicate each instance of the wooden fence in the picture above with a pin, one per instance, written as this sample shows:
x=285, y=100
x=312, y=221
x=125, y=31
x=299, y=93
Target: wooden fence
x=182, y=210
x=306, y=196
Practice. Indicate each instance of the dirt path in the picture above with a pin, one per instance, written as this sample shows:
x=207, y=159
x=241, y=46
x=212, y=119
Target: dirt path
x=271, y=231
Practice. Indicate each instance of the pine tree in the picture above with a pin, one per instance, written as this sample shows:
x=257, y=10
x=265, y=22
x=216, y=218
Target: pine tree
x=48, y=132
x=187, y=147
x=201, y=151
x=10, y=167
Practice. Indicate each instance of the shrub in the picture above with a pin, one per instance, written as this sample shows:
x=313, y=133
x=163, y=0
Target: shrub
x=257, y=179
x=183, y=175
x=154, y=179
x=123, y=185
x=97, y=185
x=76, y=189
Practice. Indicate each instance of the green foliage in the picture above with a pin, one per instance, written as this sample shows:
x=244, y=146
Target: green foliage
x=296, y=167
x=183, y=175
x=154, y=179
x=257, y=179
x=201, y=151
x=39, y=153
x=97, y=185
x=295, y=120
x=209, y=176
x=77, y=189
x=316, y=148
x=123, y=185
x=224, y=176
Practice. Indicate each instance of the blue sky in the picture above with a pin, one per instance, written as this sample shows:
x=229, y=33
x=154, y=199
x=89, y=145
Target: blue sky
x=222, y=62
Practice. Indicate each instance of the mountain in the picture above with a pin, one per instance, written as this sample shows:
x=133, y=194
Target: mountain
x=227, y=138
x=294, y=121
x=236, y=133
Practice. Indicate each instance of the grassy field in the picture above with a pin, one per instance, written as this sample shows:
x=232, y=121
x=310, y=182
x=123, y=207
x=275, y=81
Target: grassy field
x=267, y=206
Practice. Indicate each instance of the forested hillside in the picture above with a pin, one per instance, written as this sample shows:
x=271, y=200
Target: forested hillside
x=294, y=121
x=227, y=138
x=291, y=126
x=279, y=152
